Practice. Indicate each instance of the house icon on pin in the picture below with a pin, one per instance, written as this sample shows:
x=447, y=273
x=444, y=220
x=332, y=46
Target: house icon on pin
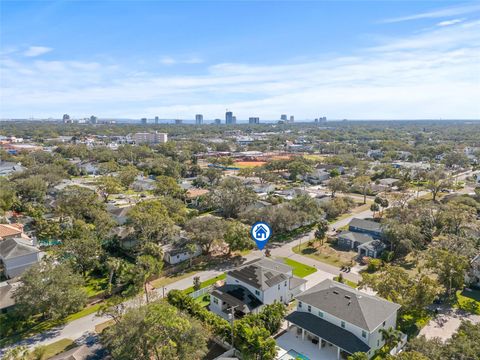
x=260, y=232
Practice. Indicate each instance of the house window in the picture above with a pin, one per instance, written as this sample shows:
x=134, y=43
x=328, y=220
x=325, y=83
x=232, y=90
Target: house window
x=342, y=324
x=364, y=334
x=215, y=300
x=257, y=292
x=378, y=343
x=320, y=313
x=383, y=324
x=278, y=286
x=309, y=308
x=299, y=304
x=285, y=283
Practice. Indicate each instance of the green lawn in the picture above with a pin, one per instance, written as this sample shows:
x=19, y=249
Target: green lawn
x=299, y=269
x=95, y=286
x=329, y=258
x=207, y=283
x=48, y=351
x=203, y=300
x=167, y=280
x=412, y=323
x=469, y=301
x=347, y=282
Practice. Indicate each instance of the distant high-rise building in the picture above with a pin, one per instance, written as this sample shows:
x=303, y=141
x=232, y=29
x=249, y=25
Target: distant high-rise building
x=178, y=121
x=292, y=118
x=321, y=120
x=218, y=121
x=156, y=120
x=283, y=117
x=66, y=119
x=93, y=119
x=199, y=119
x=229, y=118
x=150, y=138
x=234, y=119
x=254, y=120
x=143, y=121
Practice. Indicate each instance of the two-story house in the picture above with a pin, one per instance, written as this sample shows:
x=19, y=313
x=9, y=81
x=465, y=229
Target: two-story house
x=363, y=236
x=17, y=255
x=334, y=314
x=254, y=284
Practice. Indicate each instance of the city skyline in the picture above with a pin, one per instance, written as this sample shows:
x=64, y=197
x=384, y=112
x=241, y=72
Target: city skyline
x=408, y=60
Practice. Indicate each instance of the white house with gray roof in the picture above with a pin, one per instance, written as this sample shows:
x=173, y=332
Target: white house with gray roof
x=332, y=313
x=254, y=284
x=17, y=255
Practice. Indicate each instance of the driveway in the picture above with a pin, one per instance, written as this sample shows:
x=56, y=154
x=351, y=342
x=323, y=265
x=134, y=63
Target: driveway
x=446, y=323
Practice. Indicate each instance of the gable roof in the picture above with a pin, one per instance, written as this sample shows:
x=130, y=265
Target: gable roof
x=365, y=224
x=12, y=248
x=262, y=274
x=355, y=307
x=10, y=229
x=237, y=295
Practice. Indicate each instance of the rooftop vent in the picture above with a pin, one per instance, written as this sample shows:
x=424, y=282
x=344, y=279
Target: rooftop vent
x=347, y=297
x=335, y=292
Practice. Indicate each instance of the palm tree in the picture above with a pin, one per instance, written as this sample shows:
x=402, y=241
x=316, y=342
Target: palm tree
x=391, y=337
x=113, y=265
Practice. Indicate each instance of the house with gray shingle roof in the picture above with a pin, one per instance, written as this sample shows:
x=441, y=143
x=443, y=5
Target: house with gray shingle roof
x=254, y=284
x=332, y=313
x=17, y=255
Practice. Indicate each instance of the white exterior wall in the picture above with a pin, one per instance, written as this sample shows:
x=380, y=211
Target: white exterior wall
x=178, y=258
x=277, y=292
x=16, y=266
x=217, y=308
x=372, y=337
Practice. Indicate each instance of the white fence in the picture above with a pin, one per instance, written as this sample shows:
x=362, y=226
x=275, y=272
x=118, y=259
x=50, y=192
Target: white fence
x=201, y=292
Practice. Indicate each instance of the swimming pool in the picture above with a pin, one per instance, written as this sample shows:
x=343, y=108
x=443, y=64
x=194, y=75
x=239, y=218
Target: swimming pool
x=293, y=355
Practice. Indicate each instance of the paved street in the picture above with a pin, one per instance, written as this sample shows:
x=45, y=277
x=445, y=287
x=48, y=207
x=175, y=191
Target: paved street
x=78, y=328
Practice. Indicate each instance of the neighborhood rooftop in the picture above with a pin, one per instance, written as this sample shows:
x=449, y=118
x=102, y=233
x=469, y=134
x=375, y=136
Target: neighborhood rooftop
x=261, y=273
x=351, y=305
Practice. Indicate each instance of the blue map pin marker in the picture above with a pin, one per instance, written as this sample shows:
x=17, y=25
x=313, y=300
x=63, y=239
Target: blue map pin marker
x=261, y=233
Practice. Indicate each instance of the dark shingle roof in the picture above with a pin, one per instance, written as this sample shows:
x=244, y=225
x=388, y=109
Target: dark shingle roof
x=261, y=273
x=351, y=305
x=237, y=295
x=366, y=224
x=328, y=331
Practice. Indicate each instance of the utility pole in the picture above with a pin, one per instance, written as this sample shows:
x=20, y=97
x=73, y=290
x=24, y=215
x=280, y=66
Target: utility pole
x=232, y=318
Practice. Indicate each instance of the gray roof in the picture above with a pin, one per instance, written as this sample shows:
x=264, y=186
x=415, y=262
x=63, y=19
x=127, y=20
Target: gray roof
x=262, y=273
x=12, y=248
x=237, y=295
x=374, y=245
x=327, y=331
x=366, y=224
x=348, y=304
x=355, y=236
x=295, y=282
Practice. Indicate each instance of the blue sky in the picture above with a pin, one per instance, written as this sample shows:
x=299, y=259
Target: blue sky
x=340, y=59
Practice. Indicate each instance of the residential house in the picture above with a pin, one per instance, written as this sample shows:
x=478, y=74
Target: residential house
x=17, y=255
x=255, y=284
x=334, y=314
x=363, y=226
x=193, y=196
x=10, y=231
x=7, y=288
x=363, y=236
x=119, y=214
x=472, y=277
x=143, y=183
x=179, y=251
x=317, y=176
x=7, y=168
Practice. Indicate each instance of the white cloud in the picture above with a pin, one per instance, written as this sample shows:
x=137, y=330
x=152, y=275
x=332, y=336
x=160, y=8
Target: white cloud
x=34, y=51
x=168, y=60
x=431, y=74
x=450, y=22
x=447, y=12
